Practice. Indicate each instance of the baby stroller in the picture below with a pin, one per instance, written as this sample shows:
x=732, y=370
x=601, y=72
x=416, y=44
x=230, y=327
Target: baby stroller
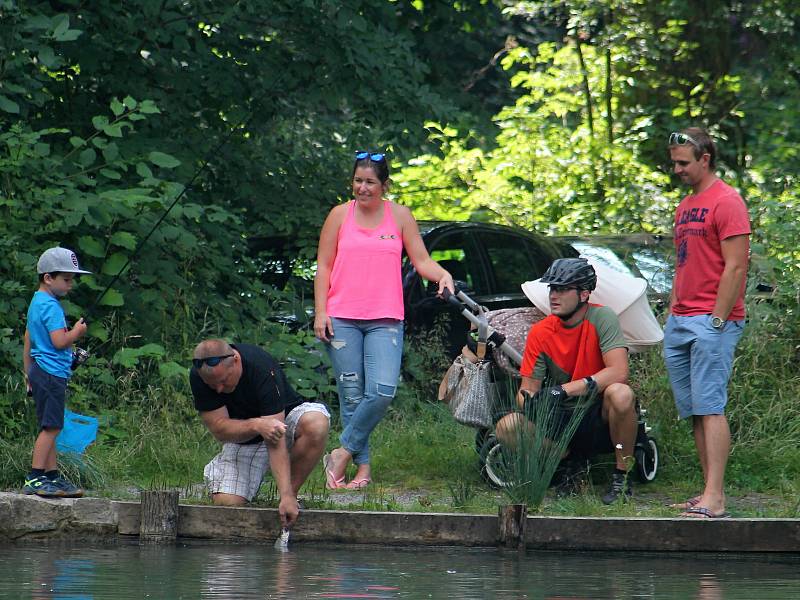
x=504, y=332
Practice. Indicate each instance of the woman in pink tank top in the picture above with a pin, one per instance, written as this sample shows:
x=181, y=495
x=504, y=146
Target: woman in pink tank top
x=358, y=299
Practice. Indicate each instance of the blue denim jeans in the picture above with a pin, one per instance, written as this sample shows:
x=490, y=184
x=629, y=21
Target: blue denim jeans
x=366, y=358
x=699, y=361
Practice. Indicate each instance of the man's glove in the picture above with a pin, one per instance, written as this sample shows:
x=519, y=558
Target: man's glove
x=555, y=395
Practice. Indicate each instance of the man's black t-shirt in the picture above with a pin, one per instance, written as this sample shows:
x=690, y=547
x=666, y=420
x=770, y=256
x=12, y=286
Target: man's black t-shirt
x=262, y=390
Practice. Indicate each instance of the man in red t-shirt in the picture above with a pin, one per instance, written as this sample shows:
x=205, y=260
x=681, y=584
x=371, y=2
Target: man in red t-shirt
x=711, y=234
x=579, y=350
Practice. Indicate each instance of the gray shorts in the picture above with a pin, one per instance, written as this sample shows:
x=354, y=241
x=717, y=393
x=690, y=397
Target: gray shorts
x=239, y=468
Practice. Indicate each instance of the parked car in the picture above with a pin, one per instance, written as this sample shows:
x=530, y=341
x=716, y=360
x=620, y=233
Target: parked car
x=489, y=261
x=652, y=257
x=645, y=255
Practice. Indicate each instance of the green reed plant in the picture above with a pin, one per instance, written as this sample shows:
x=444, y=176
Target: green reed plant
x=462, y=492
x=541, y=440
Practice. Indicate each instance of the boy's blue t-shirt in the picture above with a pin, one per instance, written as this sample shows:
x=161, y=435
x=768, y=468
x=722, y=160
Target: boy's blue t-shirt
x=45, y=315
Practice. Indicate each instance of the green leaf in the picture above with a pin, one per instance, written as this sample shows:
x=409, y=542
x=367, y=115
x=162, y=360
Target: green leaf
x=111, y=152
x=117, y=107
x=91, y=246
x=8, y=105
x=148, y=107
x=152, y=350
x=112, y=298
x=172, y=369
x=99, y=122
x=129, y=102
x=61, y=23
x=110, y=174
x=127, y=357
x=87, y=157
x=97, y=331
x=76, y=141
x=48, y=58
x=114, y=264
x=163, y=160
x=143, y=170
x=123, y=239
x=114, y=130
x=70, y=35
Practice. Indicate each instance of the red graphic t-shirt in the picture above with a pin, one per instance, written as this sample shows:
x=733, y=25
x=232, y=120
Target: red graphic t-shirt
x=702, y=221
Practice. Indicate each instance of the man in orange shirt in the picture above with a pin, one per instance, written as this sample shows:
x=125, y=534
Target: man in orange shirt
x=579, y=350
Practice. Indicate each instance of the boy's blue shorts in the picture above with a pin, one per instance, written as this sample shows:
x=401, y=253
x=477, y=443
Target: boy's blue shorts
x=50, y=395
x=699, y=362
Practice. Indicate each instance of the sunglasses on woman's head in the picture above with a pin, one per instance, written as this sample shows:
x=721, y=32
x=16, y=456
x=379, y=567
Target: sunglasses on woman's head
x=681, y=139
x=373, y=156
x=211, y=361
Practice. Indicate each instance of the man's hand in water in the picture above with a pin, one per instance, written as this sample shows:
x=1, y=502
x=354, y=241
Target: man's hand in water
x=289, y=510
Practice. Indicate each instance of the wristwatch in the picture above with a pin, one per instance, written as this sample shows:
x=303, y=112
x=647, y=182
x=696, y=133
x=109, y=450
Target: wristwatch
x=717, y=322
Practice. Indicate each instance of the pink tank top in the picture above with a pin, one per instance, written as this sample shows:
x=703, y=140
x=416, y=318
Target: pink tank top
x=365, y=280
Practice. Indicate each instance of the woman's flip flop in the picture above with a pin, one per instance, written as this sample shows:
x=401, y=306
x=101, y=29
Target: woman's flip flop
x=330, y=481
x=359, y=483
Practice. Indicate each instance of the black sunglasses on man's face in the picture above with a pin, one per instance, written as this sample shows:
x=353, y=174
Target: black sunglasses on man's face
x=211, y=361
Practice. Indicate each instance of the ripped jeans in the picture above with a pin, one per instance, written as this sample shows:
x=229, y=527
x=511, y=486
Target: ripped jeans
x=366, y=361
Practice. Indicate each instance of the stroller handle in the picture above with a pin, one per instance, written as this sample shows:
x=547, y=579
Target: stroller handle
x=476, y=314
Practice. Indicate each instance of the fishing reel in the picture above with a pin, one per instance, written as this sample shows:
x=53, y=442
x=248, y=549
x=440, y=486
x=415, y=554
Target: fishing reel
x=79, y=356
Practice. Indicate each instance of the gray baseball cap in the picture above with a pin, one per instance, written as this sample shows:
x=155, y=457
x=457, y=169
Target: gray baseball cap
x=59, y=260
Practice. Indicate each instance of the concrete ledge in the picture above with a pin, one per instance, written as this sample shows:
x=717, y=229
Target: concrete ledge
x=663, y=534
x=31, y=518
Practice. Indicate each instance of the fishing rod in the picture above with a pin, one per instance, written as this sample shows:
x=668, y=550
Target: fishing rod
x=80, y=355
x=243, y=123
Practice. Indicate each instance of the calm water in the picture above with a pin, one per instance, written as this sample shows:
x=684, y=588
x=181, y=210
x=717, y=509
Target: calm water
x=326, y=571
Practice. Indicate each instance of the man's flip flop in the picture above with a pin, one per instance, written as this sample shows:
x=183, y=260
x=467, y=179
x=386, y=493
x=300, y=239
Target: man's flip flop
x=330, y=481
x=359, y=483
x=690, y=503
x=701, y=512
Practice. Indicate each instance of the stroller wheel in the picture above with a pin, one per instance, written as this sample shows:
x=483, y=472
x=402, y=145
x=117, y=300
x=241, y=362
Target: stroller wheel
x=493, y=463
x=647, y=460
x=480, y=439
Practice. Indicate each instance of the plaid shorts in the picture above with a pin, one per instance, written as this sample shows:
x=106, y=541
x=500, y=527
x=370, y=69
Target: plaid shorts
x=239, y=468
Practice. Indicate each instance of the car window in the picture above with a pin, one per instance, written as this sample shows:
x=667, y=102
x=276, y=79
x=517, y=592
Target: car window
x=511, y=261
x=457, y=253
x=604, y=255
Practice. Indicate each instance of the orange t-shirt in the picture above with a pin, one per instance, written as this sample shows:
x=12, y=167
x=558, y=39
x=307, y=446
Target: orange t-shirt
x=561, y=354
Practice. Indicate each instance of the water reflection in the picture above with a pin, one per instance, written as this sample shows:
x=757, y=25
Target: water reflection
x=222, y=572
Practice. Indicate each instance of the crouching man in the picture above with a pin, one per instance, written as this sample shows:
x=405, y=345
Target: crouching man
x=247, y=404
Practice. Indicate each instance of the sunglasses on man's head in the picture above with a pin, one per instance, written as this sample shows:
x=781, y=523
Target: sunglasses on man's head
x=681, y=139
x=211, y=361
x=560, y=289
x=373, y=156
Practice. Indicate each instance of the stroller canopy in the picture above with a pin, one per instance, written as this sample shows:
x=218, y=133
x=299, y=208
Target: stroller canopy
x=624, y=294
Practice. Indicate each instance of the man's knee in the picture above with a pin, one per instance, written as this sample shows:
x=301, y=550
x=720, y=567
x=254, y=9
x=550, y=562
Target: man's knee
x=222, y=499
x=313, y=426
x=619, y=398
x=506, y=428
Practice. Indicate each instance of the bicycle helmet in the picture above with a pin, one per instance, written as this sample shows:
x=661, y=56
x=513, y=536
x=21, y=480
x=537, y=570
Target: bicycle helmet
x=571, y=271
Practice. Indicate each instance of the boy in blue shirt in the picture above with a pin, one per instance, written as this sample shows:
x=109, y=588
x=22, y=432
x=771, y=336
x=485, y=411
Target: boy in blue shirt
x=47, y=358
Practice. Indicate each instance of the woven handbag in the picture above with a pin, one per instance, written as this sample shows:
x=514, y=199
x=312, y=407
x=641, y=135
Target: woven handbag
x=469, y=392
